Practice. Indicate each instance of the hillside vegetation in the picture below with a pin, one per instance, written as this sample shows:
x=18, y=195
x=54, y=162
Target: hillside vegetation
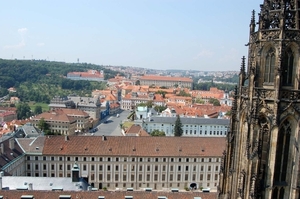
x=40, y=81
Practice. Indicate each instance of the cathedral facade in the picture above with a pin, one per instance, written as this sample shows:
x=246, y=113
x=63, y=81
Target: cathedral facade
x=262, y=154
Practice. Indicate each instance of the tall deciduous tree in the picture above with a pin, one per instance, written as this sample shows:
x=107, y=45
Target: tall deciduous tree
x=23, y=111
x=157, y=133
x=38, y=110
x=178, y=127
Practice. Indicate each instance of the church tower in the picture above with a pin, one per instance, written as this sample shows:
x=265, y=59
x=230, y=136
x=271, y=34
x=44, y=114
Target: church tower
x=261, y=159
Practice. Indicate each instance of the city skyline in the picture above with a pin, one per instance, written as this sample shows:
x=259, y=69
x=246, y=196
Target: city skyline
x=170, y=34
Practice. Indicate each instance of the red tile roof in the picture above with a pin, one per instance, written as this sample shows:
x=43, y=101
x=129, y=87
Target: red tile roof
x=166, y=78
x=15, y=194
x=123, y=146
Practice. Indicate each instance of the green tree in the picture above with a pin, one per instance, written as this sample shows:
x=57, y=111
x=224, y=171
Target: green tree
x=23, y=111
x=137, y=82
x=178, y=127
x=160, y=108
x=183, y=93
x=214, y=101
x=43, y=125
x=157, y=133
x=38, y=110
x=199, y=101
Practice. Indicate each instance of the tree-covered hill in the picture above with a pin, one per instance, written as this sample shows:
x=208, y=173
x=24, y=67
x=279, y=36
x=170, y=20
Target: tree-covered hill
x=40, y=81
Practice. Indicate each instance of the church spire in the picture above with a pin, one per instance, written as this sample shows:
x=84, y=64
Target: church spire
x=278, y=14
x=252, y=23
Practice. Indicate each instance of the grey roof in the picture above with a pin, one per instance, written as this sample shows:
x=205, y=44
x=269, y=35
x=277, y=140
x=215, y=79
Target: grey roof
x=42, y=183
x=32, y=146
x=186, y=120
x=30, y=130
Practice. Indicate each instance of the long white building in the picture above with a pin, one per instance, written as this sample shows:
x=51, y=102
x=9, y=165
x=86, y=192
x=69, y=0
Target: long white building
x=192, y=127
x=158, y=163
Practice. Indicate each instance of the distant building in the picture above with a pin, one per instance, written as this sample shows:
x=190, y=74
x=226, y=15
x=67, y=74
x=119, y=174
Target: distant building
x=91, y=75
x=138, y=162
x=166, y=81
x=192, y=127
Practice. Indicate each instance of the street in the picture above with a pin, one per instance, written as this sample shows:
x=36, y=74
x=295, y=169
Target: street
x=110, y=125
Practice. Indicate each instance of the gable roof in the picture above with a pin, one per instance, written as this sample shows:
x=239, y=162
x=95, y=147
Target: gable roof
x=134, y=146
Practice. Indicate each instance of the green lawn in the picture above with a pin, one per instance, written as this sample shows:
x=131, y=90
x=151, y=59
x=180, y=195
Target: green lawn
x=44, y=106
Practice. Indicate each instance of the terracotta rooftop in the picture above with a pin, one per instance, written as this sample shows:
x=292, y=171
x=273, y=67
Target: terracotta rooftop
x=14, y=194
x=166, y=78
x=144, y=146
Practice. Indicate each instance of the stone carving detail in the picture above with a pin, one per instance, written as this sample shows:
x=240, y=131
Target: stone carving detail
x=292, y=35
x=241, y=183
x=265, y=93
x=270, y=35
x=253, y=37
x=252, y=185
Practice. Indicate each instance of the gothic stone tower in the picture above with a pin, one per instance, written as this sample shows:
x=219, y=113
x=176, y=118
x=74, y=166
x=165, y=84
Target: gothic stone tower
x=262, y=155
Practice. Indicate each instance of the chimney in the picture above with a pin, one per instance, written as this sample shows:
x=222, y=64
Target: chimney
x=12, y=143
x=66, y=138
x=103, y=138
x=1, y=175
x=2, y=148
x=30, y=186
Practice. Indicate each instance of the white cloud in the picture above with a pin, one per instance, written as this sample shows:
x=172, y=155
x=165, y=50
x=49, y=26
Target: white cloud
x=40, y=44
x=230, y=56
x=21, y=44
x=204, y=54
x=22, y=30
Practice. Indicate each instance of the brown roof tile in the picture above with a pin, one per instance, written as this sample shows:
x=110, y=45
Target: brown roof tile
x=145, y=146
x=14, y=194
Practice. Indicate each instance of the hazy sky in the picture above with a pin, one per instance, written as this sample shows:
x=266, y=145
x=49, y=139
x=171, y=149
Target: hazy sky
x=161, y=34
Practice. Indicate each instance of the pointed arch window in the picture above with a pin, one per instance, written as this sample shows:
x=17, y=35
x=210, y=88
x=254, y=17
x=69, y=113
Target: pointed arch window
x=281, y=159
x=269, y=66
x=287, y=68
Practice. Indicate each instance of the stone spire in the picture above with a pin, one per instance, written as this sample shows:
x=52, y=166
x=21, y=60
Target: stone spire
x=277, y=14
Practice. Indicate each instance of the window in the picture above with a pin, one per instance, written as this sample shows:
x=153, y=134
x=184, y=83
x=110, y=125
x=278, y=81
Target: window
x=194, y=168
x=164, y=168
x=156, y=168
x=186, y=177
x=93, y=167
x=68, y=167
x=60, y=167
x=155, y=177
x=132, y=177
x=141, y=168
x=201, y=168
x=100, y=176
x=93, y=159
x=163, y=177
x=140, y=177
x=194, y=177
x=217, y=168
x=44, y=158
x=179, y=159
x=108, y=159
x=178, y=177
x=117, y=159
x=141, y=159
x=208, y=176
x=172, y=159
x=60, y=158
x=108, y=167
x=209, y=168
x=287, y=72
x=148, y=168
x=269, y=66
x=44, y=167
x=133, y=159
x=179, y=168
x=171, y=168
x=171, y=177
x=116, y=177
x=201, y=176
x=148, y=177
x=52, y=166
x=216, y=176
x=117, y=167
x=100, y=167
x=156, y=159
x=84, y=167
x=37, y=167
x=52, y=158
x=108, y=177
